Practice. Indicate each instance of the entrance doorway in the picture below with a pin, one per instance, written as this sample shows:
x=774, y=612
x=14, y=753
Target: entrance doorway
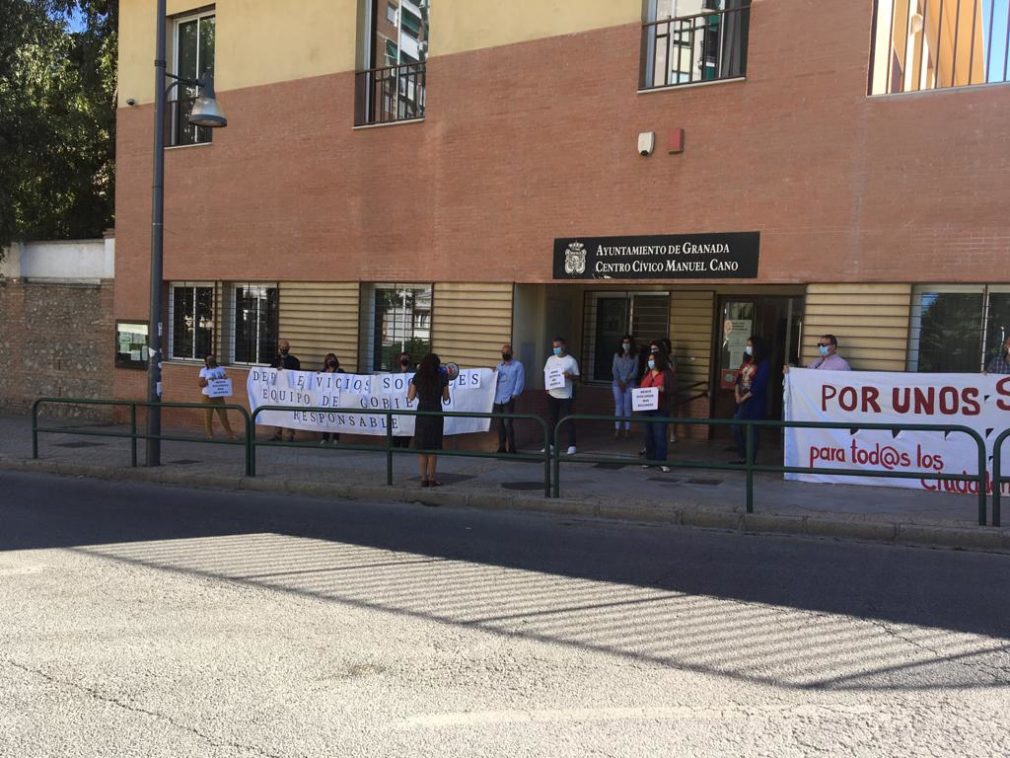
x=776, y=318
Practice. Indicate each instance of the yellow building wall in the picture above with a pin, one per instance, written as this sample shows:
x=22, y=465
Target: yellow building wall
x=870, y=321
x=265, y=41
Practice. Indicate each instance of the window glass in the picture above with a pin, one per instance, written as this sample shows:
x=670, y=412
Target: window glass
x=950, y=337
x=925, y=44
x=401, y=322
x=131, y=344
x=194, y=56
x=255, y=319
x=191, y=316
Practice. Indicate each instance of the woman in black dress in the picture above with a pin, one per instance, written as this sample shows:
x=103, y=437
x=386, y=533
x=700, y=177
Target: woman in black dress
x=430, y=386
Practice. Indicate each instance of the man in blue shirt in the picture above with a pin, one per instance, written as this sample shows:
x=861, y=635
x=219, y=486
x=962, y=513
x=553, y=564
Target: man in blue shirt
x=511, y=382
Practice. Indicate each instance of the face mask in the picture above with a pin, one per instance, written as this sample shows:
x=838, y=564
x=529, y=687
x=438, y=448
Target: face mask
x=284, y=351
x=749, y=350
x=823, y=349
x=331, y=364
x=558, y=351
x=404, y=362
x=626, y=346
x=652, y=363
x=506, y=356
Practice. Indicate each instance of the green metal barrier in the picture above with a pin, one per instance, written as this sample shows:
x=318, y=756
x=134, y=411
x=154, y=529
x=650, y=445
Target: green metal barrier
x=388, y=448
x=749, y=467
x=998, y=479
x=133, y=435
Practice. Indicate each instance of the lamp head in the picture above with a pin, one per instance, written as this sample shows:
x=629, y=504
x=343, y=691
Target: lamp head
x=206, y=111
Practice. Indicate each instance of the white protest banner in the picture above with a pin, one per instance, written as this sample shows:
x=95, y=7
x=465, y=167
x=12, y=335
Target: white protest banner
x=554, y=379
x=341, y=395
x=644, y=399
x=219, y=388
x=973, y=400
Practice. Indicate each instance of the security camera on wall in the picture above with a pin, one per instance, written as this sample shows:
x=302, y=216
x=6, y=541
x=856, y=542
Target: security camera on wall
x=646, y=143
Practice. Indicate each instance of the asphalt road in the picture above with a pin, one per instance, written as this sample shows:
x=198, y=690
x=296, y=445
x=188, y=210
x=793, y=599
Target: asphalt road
x=151, y=621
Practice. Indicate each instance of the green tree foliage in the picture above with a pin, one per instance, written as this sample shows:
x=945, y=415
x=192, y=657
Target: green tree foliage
x=57, y=118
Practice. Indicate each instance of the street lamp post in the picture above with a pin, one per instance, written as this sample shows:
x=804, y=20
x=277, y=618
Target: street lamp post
x=205, y=113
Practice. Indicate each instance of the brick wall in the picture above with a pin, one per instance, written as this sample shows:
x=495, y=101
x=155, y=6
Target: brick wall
x=56, y=340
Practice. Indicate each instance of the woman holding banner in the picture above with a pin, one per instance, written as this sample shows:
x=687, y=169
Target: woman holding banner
x=211, y=372
x=751, y=394
x=430, y=386
x=658, y=375
x=331, y=365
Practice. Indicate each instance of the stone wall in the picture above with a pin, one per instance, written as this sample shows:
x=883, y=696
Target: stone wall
x=56, y=340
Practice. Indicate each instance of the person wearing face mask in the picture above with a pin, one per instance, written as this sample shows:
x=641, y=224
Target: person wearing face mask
x=658, y=375
x=211, y=370
x=331, y=365
x=404, y=365
x=561, y=400
x=511, y=382
x=829, y=359
x=751, y=394
x=284, y=360
x=625, y=377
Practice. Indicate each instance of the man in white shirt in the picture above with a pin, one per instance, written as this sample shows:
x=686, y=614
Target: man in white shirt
x=561, y=399
x=210, y=371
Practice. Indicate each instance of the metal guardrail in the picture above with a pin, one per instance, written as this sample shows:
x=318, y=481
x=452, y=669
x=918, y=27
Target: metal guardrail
x=552, y=462
x=998, y=478
x=133, y=435
x=750, y=467
x=390, y=450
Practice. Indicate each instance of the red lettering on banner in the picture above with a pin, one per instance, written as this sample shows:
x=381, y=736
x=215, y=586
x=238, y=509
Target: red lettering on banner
x=1003, y=388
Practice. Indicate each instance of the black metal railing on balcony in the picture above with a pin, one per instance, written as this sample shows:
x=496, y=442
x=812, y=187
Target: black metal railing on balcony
x=935, y=44
x=703, y=47
x=392, y=93
x=178, y=130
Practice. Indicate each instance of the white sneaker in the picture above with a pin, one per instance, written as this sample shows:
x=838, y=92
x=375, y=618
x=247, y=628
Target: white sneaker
x=665, y=469
x=544, y=449
x=571, y=450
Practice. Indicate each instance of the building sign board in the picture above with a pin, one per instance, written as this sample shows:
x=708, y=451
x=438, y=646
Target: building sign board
x=732, y=255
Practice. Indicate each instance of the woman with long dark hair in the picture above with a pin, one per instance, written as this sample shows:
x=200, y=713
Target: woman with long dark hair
x=331, y=365
x=751, y=393
x=657, y=374
x=430, y=386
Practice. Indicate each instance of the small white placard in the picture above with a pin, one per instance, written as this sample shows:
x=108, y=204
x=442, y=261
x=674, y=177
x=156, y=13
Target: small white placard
x=645, y=399
x=219, y=388
x=554, y=379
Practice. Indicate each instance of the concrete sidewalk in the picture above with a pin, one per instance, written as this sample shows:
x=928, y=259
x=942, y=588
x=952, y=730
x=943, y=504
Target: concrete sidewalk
x=686, y=496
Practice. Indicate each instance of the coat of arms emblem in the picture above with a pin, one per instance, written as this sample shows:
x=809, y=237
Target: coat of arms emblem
x=575, y=258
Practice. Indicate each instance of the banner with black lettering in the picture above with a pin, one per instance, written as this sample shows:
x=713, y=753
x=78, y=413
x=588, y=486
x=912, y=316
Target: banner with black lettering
x=343, y=396
x=977, y=401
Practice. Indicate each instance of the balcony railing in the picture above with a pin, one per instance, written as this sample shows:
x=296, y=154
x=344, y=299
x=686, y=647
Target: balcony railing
x=934, y=44
x=393, y=93
x=178, y=130
x=703, y=47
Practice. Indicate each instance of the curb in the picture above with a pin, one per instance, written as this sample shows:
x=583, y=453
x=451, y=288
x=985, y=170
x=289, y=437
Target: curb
x=990, y=539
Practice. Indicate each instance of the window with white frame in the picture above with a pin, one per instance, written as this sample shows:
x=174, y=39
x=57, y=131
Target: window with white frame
x=253, y=314
x=396, y=318
x=935, y=44
x=190, y=320
x=957, y=328
x=192, y=56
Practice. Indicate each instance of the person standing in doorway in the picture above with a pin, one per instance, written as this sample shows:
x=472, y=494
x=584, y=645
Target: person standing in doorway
x=751, y=393
x=511, y=382
x=625, y=377
x=331, y=365
x=658, y=375
x=284, y=360
x=561, y=400
x=210, y=371
x=430, y=386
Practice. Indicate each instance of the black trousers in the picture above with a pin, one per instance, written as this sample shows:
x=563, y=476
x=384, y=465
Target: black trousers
x=559, y=408
x=506, y=430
